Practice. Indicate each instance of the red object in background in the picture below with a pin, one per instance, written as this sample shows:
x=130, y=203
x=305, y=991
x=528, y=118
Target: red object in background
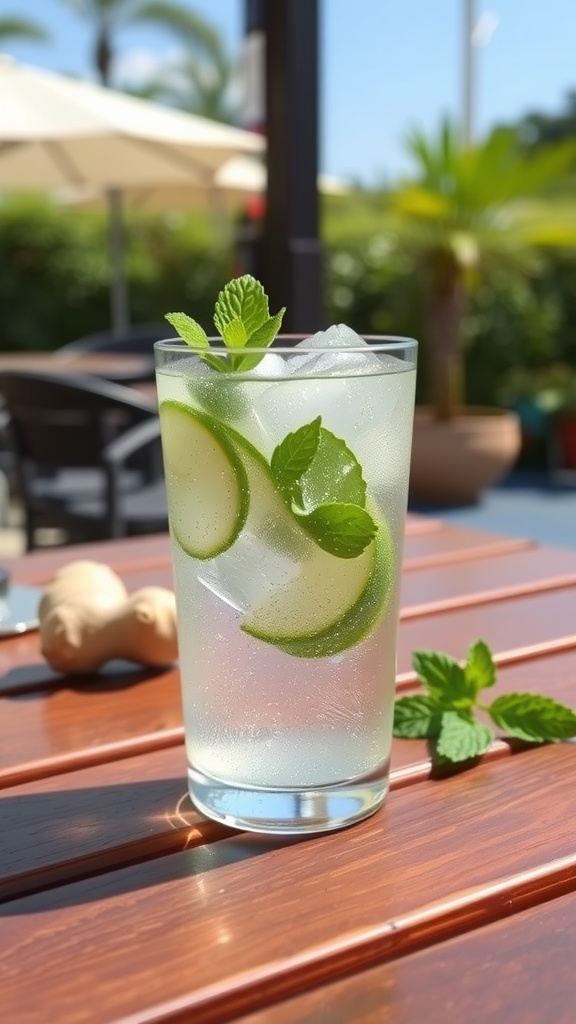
x=255, y=208
x=567, y=433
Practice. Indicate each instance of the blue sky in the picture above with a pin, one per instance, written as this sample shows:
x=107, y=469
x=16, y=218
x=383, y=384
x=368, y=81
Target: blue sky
x=386, y=65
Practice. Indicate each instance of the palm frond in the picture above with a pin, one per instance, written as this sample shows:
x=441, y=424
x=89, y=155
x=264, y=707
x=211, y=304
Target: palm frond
x=22, y=28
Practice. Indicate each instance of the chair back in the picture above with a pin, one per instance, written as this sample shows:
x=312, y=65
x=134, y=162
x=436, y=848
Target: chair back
x=60, y=420
x=138, y=338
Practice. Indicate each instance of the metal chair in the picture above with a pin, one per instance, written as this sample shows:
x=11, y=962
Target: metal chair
x=86, y=456
x=138, y=338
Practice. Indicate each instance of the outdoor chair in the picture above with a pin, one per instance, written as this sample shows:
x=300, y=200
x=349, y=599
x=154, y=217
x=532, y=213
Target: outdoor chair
x=138, y=338
x=87, y=458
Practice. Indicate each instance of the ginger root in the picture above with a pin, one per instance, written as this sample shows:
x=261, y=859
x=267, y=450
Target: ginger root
x=87, y=618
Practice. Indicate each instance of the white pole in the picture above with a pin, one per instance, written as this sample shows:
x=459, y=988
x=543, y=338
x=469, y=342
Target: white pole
x=468, y=97
x=119, y=305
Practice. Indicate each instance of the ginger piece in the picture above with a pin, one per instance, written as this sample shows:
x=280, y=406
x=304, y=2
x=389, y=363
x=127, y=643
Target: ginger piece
x=87, y=618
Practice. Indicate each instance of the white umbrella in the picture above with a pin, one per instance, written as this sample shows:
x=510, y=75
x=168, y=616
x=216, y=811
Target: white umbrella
x=234, y=181
x=57, y=131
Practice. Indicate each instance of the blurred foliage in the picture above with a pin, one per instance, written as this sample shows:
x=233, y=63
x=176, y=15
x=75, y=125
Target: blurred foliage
x=54, y=270
x=513, y=321
x=54, y=284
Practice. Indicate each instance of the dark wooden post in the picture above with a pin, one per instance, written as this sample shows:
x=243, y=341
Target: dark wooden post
x=292, y=257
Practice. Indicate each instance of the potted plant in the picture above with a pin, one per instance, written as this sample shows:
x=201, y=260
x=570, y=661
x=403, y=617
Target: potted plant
x=468, y=211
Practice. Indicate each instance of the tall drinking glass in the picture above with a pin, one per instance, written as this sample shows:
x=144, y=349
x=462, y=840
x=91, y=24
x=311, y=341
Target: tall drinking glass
x=287, y=491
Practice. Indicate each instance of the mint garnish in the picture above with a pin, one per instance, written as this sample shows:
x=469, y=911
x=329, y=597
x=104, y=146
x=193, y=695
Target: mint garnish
x=341, y=529
x=318, y=476
x=445, y=713
x=334, y=475
x=322, y=483
x=241, y=316
x=292, y=457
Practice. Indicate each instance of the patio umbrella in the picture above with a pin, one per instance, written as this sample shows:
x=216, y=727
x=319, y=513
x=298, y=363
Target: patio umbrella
x=235, y=181
x=57, y=131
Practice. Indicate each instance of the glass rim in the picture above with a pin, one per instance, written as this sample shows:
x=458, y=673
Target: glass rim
x=392, y=343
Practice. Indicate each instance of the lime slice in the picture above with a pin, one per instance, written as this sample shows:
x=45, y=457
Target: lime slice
x=331, y=605
x=207, y=487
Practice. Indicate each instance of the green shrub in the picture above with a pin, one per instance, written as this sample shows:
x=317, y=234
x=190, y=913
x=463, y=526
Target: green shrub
x=54, y=270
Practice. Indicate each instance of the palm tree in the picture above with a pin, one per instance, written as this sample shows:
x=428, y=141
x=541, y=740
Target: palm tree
x=201, y=83
x=22, y=28
x=465, y=212
x=109, y=17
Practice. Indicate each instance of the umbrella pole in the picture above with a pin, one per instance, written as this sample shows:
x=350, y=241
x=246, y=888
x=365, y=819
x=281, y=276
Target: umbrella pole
x=118, y=283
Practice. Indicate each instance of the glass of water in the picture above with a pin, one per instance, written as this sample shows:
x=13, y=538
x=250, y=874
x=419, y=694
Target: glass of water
x=287, y=490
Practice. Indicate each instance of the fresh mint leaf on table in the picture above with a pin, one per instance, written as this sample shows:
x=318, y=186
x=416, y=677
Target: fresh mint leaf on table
x=242, y=318
x=445, y=713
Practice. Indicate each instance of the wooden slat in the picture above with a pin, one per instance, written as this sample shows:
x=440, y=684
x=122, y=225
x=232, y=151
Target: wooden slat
x=427, y=542
x=454, y=545
x=132, y=554
x=223, y=929
x=80, y=715
x=98, y=817
x=143, y=797
x=505, y=627
x=88, y=722
x=488, y=579
x=519, y=970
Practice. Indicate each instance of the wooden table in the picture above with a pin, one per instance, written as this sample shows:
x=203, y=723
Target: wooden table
x=456, y=902
x=119, y=367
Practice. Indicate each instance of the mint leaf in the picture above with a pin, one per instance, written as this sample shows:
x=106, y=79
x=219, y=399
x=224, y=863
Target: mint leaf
x=188, y=329
x=265, y=334
x=244, y=299
x=261, y=338
x=341, y=529
x=480, y=670
x=292, y=457
x=335, y=475
x=234, y=334
x=444, y=679
x=462, y=738
x=416, y=717
x=531, y=717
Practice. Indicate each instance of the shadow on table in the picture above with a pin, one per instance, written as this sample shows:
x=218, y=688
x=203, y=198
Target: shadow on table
x=78, y=833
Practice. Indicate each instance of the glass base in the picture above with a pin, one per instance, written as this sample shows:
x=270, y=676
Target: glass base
x=287, y=811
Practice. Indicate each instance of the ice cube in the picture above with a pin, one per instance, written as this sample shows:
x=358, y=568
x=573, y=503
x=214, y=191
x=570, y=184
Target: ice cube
x=272, y=366
x=337, y=362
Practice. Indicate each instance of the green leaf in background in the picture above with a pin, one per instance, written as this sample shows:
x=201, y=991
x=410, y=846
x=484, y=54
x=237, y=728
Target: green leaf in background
x=417, y=717
x=292, y=457
x=344, y=530
x=335, y=475
x=462, y=738
x=531, y=717
x=480, y=670
x=189, y=330
x=244, y=299
x=444, y=679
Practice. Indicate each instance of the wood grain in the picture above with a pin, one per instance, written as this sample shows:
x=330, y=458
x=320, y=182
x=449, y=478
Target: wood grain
x=142, y=797
x=519, y=970
x=172, y=938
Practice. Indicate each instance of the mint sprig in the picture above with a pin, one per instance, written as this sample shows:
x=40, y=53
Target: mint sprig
x=445, y=714
x=242, y=319
x=321, y=481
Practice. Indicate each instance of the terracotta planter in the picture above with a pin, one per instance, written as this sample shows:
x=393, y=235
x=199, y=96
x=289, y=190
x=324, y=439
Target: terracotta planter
x=452, y=462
